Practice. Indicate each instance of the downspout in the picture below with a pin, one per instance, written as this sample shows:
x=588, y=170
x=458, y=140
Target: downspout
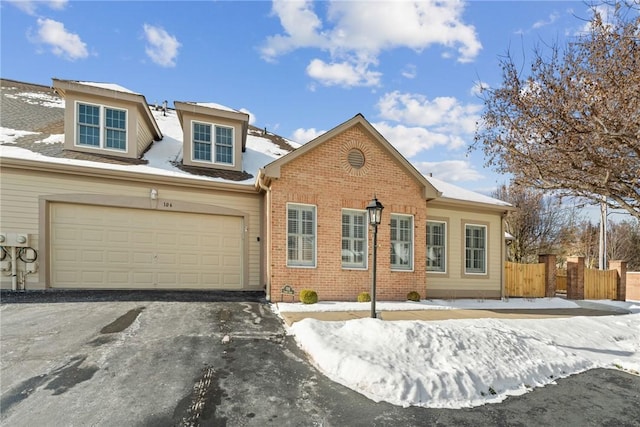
x=14, y=271
x=267, y=236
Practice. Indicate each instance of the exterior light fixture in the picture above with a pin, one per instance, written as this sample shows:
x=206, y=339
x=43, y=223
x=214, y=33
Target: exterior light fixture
x=374, y=211
x=153, y=194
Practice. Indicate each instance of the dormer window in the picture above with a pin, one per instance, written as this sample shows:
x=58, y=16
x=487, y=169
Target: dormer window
x=100, y=126
x=213, y=143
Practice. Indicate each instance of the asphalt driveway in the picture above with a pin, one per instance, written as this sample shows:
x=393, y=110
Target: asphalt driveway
x=223, y=359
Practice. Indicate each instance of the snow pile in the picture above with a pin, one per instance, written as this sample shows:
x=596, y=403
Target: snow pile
x=465, y=363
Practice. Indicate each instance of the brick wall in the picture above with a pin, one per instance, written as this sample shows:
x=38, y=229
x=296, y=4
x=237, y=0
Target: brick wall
x=322, y=177
x=633, y=286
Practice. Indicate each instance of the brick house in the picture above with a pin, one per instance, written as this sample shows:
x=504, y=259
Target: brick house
x=108, y=192
x=318, y=236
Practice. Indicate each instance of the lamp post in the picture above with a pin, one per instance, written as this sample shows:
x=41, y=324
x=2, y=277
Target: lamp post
x=374, y=210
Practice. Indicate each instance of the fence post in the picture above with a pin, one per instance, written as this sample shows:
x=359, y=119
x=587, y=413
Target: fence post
x=575, y=277
x=621, y=268
x=549, y=262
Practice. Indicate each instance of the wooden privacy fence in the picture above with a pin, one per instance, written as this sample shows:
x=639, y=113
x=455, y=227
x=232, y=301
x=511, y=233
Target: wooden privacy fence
x=600, y=284
x=544, y=279
x=561, y=281
x=524, y=280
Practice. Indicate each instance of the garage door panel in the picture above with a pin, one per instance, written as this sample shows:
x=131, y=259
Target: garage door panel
x=93, y=256
x=144, y=249
x=118, y=278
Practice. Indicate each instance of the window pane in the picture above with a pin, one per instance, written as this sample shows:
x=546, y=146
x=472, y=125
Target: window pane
x=116, y=139
x=202, y=141
x=475, y=250
x=224, y=145
x=88, y=135
x=301, y=237
x=436, y=246
x=88, y=125
x=115, y=119
x=89, y=114
x=116, y=125
x=353, y=239
x=201, y=151
x=401, y=242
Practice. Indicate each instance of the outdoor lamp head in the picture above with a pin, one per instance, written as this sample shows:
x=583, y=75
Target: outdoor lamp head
x=374, y=209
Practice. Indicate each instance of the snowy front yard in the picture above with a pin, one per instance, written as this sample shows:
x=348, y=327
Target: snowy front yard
x=464, y=363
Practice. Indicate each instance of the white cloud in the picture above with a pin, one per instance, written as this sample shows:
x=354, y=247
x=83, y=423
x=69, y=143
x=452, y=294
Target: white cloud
x=412, y=140
x=478, y=88
x=302, y=136
x=252, y=117
x=450, y=170
x=550, y=20
x=30, y=7
x=162, y=47
x=62, y=42
x=410, y=71
x=445, y=114
x=301, y=25
x=413, y=123
x=347, y=34
x=342, y=74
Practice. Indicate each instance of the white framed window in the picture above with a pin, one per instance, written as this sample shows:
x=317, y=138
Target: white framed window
x=212, y=143
x=100, y=126
x=401, y=242
x=301, y=235
x=354, y=239
x=475, y=249
x=437, y=246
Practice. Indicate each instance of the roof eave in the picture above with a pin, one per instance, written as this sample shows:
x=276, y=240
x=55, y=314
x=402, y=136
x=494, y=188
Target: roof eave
x=470, y=204
x=81, y=170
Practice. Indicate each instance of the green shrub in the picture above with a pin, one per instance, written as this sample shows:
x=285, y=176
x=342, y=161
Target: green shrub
x=413, y=296
x=307, y=296
x=364, y=297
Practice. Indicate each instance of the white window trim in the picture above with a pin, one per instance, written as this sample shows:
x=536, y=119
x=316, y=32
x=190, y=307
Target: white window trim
x=213, y=144
x=446, y=247
x=315, y=234
x=486, y=250
x=102, y=126
x=413, y=244
x=366, y=241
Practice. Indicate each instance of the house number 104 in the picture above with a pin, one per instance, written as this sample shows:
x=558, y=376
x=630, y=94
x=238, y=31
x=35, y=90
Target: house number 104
x=167, y=204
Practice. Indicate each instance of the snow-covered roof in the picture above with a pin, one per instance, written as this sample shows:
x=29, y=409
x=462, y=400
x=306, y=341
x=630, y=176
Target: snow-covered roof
x=162, y=158
x=110, y=86
x=450, y=191
x=216, y=106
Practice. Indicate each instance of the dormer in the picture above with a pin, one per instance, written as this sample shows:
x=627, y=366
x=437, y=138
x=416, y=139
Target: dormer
x=215, y=136
x=104, y=118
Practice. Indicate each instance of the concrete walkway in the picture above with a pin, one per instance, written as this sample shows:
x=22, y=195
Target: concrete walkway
x=291, y=317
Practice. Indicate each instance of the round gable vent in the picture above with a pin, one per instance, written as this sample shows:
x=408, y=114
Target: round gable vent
x=355, y=158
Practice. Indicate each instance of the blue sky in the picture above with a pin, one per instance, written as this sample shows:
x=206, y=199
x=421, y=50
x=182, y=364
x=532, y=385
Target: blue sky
x=300, y=68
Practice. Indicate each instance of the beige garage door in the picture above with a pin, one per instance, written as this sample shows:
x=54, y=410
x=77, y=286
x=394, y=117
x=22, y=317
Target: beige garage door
x=95, y=247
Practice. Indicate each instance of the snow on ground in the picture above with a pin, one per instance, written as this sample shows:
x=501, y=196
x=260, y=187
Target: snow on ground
x=467, y=362
x=513, y=303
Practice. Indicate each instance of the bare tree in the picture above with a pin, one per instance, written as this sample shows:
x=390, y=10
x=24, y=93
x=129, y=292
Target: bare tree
x=623, y=243
x=586, y=243
x=572, y=124
x=540, y=225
